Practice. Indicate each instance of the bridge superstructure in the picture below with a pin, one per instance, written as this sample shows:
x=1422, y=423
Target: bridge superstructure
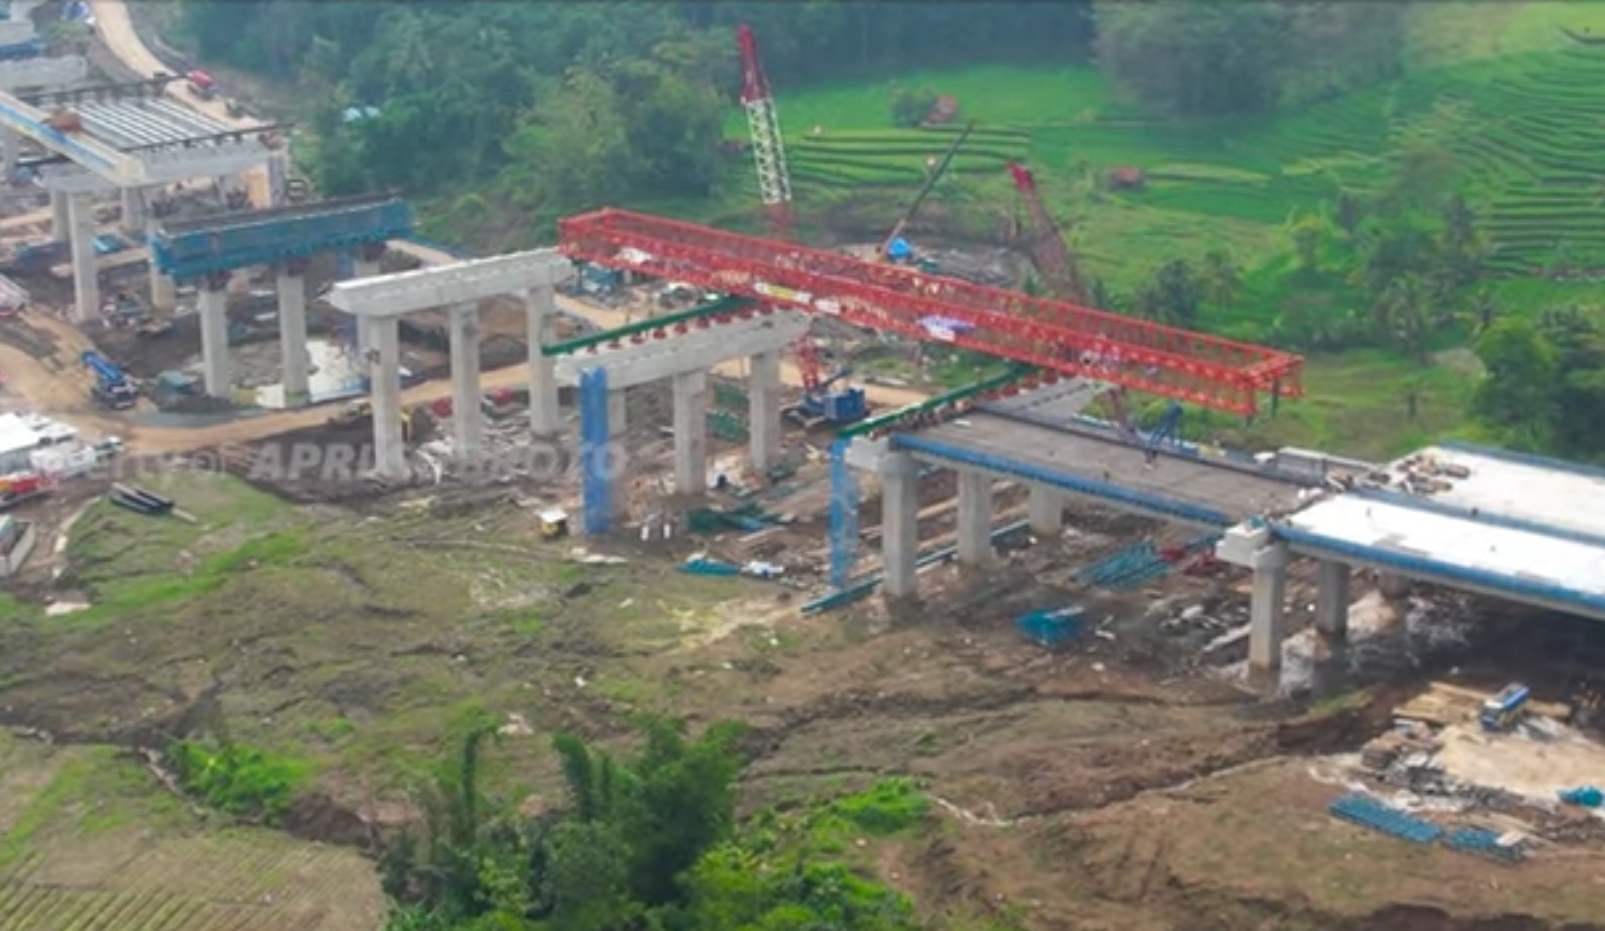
x=207, y=250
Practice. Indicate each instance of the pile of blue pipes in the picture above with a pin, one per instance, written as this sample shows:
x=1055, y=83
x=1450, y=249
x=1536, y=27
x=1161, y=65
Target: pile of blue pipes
x=1368, y=812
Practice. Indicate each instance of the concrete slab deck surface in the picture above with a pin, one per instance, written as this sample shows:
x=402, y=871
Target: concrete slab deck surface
x=1543, y=493
x=1411, y=538
x=1090, y=459
x=126, y=124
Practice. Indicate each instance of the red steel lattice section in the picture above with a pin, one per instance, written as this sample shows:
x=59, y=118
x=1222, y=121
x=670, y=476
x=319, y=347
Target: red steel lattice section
x=1055, y=335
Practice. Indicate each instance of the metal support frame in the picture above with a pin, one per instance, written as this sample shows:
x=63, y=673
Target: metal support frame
x=1054, y=335
x=595, y=452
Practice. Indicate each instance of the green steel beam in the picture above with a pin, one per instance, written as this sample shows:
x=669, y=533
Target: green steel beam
x=723, y=306
x=865, y=427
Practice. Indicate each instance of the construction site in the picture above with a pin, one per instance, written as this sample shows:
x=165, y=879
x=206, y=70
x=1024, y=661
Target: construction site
x=654, y=469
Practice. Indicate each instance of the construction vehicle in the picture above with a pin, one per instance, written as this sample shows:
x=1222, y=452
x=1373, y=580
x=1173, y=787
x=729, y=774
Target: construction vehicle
x=201, y=84
x=361, y=412
x=774, y=189
x=1502, y=711
x=20, y=487
x=895, y=236
x=113, y=388
x=819, y=403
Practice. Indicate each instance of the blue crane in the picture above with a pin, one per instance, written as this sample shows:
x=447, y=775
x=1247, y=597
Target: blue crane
x=113, y=388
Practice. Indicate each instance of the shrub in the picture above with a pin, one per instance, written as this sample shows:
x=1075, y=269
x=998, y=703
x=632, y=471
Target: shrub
x=240, y=780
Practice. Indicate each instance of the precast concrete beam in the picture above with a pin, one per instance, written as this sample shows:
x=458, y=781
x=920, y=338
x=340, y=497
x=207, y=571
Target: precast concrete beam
x=763, y=406
x=1045, y=511
x=545, y=417
x=974, y=543
x=42, y=72
x=900, y=534
x=212, y=305
x=695, y=351
x=85, y=261
x=292, y=289
x=384, y=390
x=1332, y=599
x=1265, y=608
x=468, y=425
x=691, y=433
x=421, y=289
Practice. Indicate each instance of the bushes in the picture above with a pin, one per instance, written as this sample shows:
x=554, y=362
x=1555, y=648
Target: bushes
x=240, y=780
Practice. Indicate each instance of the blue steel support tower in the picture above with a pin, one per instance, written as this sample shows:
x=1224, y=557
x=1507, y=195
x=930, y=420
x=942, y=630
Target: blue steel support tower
x=595, y=461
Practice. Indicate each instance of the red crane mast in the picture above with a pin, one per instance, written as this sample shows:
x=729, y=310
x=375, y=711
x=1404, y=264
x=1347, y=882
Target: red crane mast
x=1049, y=254
x=1051, y=334
x=763, y=124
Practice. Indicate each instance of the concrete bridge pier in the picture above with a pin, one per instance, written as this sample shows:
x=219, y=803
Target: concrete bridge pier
x=10, y=151
x=1265, y=608
x=691, y=433
x=213, y=309
x=900, y=534
x=545, y=417
x=1045, y=512
x=163, y=291
x=1332, y=600
x=85, y=268
x=134, y=212
x=764, y=411
x=292, y=290
x=975, y=519
x=60, y=220
x=365, y=263
x=467, y=417
x=389, y=449
x=617, y=455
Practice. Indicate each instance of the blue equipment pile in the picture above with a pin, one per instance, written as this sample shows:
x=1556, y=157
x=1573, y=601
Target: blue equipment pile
x=1127, y=569
x=1367, y=812
x=1052, y=629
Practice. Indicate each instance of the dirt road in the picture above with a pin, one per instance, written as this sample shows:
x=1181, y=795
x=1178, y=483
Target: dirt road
x=60, y=390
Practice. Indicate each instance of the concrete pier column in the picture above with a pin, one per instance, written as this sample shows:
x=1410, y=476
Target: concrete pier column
x=365, y=262
x=292, y=288
x=467, y=417
x=213, y=309
x=900, y=534
x=384, y=390
x=1265, y=609
x=134, y=213
x=618, y=428
x=1332, y=600
x=10, y=151
x=60, y=221
x=85, y=264
x=1045, y=511
x=974, y=518
x=163, y=291
x=691, y=433
x=764, y=411
x=545, y=418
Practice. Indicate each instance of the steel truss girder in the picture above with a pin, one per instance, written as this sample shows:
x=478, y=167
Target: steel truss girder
x=397, y=295
x=1050, y=334
x=646, y=359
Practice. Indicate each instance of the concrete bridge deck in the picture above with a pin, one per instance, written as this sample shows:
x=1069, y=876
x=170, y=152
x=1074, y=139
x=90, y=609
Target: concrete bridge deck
x=1013, y=440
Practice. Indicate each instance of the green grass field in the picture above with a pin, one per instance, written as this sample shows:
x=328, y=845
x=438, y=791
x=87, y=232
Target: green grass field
x=1523, y=106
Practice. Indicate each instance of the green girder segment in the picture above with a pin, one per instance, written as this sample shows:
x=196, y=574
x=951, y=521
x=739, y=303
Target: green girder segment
x=607, y=337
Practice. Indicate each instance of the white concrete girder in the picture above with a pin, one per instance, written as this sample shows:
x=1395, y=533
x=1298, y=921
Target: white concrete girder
x=70, y=179
x=477, y=279
x=43, y=72
x=695, y=351
x=161, y=168
x=867, y=455
x=16, y=31
x=120, y=168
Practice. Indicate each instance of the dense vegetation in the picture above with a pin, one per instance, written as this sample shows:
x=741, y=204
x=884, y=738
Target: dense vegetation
x=1309, y=181
x=649, y=843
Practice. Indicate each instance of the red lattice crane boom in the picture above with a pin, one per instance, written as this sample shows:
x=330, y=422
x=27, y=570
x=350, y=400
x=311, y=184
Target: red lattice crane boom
x=1049, y=254
x=763, y=124
x=1051, y=334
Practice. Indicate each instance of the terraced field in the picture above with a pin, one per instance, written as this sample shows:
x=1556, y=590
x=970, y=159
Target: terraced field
x=845, y=160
